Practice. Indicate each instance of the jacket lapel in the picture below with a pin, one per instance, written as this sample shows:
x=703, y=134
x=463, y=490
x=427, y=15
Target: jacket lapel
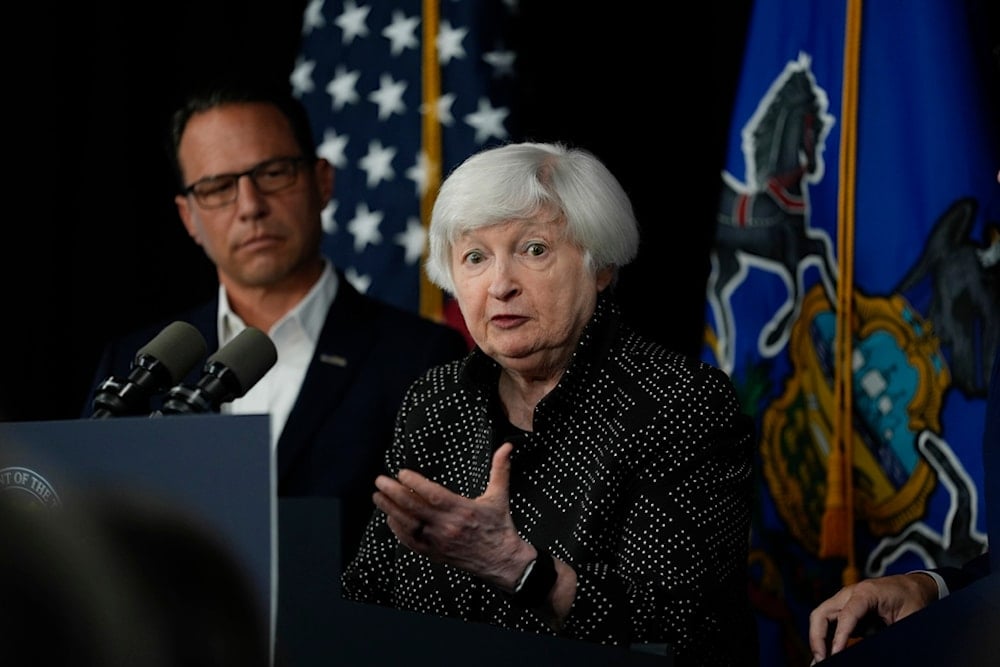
x=338, y=358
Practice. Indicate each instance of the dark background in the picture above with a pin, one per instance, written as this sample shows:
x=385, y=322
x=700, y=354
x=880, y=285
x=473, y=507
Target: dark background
x=91, y=241
x=94, y=244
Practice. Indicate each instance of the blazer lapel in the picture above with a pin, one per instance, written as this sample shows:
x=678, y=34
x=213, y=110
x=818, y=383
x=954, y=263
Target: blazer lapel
x=343, y=345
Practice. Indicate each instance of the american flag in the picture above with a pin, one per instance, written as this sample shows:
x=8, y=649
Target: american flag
x=361, y=74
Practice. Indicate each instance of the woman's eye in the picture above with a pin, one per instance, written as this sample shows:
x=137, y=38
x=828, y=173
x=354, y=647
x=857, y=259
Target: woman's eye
x=536, y=249
x=474, y=257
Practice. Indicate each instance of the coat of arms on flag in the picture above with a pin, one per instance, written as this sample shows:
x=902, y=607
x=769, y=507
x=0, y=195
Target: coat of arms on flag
x=855, y=296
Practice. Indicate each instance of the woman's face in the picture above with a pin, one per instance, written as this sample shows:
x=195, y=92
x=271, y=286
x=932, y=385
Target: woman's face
x=525, y=292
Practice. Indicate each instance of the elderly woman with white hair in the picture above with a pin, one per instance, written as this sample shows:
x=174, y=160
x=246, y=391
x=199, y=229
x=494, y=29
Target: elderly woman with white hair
x=568, y=477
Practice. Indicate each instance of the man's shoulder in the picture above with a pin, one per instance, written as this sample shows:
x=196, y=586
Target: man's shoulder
x=201, y=316
x=125, y=342
x=401, y=322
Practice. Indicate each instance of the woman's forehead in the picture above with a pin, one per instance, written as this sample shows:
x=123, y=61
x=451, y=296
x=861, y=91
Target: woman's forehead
x=542, y=224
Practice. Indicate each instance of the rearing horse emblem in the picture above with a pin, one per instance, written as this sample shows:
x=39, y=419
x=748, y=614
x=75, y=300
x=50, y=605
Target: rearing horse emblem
x=764, y=223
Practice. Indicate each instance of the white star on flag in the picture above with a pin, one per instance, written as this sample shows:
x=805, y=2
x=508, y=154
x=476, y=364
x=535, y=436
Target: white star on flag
x=359, y=73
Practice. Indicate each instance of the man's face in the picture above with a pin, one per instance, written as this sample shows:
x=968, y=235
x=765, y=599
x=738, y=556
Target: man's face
x=260, y=239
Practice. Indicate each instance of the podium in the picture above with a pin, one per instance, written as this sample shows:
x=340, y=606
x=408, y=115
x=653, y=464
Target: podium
x=317, y=626
x=169, y=521
x=218, y=471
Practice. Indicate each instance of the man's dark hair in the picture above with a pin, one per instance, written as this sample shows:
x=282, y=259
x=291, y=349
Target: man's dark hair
x=236, y=93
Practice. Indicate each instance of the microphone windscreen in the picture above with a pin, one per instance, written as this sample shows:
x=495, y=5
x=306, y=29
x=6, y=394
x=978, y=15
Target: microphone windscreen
x=248, y=356
x=179, y=347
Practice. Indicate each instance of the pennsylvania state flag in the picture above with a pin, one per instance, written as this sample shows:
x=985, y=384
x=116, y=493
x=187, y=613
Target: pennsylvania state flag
x=854, y=295
x=399, y=93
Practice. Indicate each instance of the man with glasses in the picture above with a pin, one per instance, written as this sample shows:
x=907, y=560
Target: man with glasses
x=252, y=190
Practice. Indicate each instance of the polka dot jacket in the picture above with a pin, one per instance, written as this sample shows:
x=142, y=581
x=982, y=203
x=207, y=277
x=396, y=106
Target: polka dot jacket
x=637, y=474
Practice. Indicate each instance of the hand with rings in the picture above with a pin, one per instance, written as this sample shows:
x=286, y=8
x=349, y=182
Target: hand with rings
x=418, y=532
x=476, y=535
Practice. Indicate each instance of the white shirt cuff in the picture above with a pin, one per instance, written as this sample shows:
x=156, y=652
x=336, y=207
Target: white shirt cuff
x=942, y=587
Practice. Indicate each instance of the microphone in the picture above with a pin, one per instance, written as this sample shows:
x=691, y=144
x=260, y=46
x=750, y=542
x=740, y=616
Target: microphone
x=228, y=374
x=160, y=363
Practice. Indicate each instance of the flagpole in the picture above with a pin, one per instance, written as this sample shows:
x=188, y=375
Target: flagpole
x=837, y=536
x=431, y=299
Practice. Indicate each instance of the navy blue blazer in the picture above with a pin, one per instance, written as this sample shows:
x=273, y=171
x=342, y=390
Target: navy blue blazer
x=341, y=424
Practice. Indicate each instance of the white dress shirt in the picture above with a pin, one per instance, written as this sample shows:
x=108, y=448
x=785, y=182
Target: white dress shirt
x=295, y=336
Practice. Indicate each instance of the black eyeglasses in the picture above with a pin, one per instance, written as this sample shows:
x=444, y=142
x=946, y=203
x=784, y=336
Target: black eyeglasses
x=268, y=177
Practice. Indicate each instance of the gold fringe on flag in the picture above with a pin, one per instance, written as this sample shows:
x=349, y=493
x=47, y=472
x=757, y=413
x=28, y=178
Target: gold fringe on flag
x=837, y=536
x=431, y=299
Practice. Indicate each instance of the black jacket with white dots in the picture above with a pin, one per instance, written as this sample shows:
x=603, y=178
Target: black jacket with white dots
x=637, y=473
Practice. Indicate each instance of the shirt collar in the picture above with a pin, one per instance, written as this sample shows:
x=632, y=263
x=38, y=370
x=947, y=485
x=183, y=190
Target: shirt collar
x=310, y=313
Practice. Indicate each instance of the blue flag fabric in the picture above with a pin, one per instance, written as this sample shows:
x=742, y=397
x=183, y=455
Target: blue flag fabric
x=360, y=75
x=923, y=254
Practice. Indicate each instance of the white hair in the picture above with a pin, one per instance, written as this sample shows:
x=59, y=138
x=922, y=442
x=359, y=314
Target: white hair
x=517, y=182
